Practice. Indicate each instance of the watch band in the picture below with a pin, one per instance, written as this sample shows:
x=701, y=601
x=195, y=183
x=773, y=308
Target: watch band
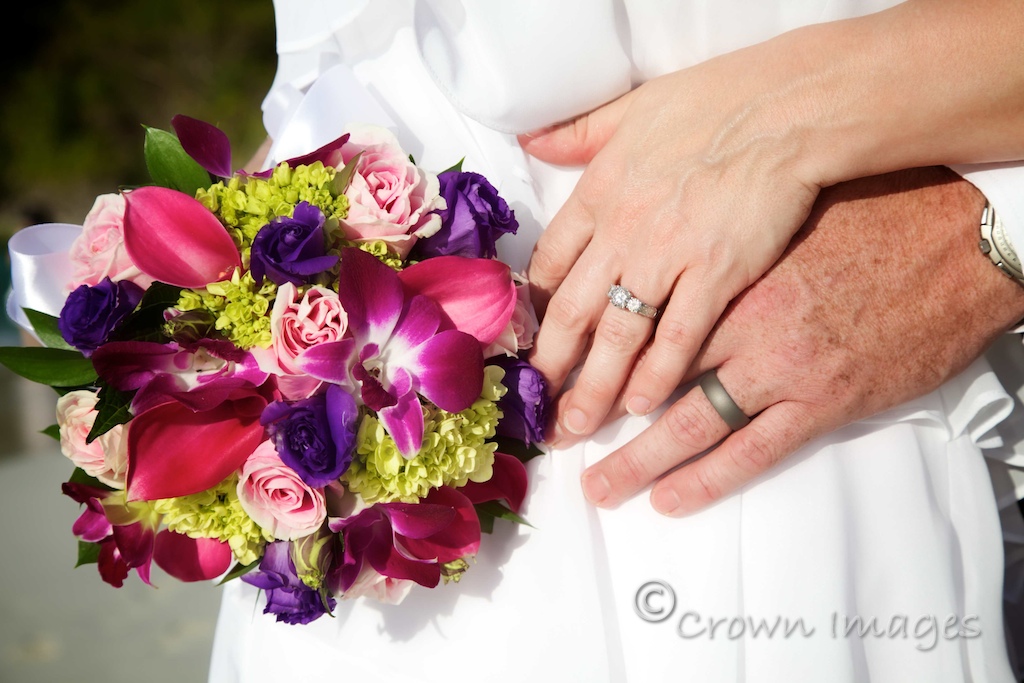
x=996, y=245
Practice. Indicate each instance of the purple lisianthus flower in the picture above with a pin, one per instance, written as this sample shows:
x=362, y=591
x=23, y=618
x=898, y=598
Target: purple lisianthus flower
x=292, y=601
x=474, y=220
x=292, y=249
x=525, y=406
x=90, y=314
x=316, y=436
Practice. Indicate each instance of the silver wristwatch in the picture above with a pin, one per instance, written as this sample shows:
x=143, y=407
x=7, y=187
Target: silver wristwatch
x=996, y=245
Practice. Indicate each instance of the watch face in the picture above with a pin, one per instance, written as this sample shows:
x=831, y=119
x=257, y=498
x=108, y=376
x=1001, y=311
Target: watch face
x=1003, y=246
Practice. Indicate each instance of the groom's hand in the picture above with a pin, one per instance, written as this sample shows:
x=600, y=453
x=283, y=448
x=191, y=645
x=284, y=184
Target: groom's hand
x=881, y=297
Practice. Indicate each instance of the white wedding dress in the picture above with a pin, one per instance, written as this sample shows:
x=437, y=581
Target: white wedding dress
x=894, y=519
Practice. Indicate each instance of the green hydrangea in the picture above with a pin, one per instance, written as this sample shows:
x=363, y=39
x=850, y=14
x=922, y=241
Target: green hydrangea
x=455, y=450
x=239, y=309
x=216, y=513
x=246, y=204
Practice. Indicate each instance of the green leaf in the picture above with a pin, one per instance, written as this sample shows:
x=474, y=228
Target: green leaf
x=170, y=166
x=113, y=408
x=46, y=327
x=80, y=477
x=54, y=367
x=495, y=510
x=457, y=166
x=53, y=431
x=239, y=570
x=516, y=448
x=88, y=553
x=146, y=323
x=486, y=522
x=344, y=176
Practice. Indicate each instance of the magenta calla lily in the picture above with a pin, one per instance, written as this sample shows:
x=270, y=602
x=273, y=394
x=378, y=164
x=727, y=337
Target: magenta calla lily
x=402, y=346
x=191, y=559
x=478, y=295
x=508, y=483
x=407, y=540
x=176, y=451
x=173, y=238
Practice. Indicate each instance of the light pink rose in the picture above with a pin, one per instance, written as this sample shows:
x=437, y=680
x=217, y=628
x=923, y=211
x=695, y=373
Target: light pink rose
x=296, y=324
x=522, y=327
x=276, y=498
x=390, y=198
x=99, y=251
x=371, y=584
x=106, y=458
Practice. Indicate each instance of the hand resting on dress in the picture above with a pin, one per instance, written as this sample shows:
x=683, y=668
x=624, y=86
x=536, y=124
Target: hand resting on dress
x=881, y=297
x=697, y=180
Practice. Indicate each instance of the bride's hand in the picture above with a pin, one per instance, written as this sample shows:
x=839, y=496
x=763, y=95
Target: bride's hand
x=697, y=180
x=695, y=183
x=857, y=317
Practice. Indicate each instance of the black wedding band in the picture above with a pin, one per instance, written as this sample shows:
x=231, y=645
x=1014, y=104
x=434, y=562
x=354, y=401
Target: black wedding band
x=722, y=402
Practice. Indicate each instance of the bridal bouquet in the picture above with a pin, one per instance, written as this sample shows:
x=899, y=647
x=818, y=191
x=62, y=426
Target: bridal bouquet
x=306, y=377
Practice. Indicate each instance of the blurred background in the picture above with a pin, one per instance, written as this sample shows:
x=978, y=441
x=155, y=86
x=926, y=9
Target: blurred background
x=80, y=79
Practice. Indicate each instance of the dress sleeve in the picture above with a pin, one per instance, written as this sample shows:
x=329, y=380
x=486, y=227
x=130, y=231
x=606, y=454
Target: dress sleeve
x=306, y=47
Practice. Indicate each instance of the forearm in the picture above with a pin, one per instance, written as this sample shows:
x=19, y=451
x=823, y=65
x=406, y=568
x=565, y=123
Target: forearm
x=926, y=82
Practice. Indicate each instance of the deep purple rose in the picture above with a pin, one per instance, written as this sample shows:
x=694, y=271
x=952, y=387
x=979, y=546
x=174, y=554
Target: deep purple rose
x=474, y=220
x=90, y=314
x=291, y=249
x=525, y=406
x=316, y=436
x=292, y=601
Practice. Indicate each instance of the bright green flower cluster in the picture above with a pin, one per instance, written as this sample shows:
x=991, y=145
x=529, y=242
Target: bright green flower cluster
x=246, y=204
x=379, y=248
x=216, y=513
x=455, y=450
x=239, y=308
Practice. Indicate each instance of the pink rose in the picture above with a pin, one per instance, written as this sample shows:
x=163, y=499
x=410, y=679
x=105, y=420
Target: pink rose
x=390, y=198
x=276, y=498
x=522, y=327
x=381, y=588
x=99, y=251
x=296, y=324
x=106, y=458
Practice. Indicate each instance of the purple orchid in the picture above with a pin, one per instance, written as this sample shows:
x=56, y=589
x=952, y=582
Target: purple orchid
x=211, y=149
x=406, y=540
x=402, y=346
x=200, y=375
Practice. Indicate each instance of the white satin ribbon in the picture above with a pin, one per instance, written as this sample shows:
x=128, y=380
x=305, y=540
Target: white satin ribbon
x=335, y=100
x=40, y=269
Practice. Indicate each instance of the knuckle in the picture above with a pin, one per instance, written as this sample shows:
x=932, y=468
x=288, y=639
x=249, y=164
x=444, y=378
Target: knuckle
x=753, y=452
x=618, y=334
x=688, y=428
x=629, y=471
x=546, y=265
x=568, y=313
x=707, y=485
x=589, y=390
x=673, y=335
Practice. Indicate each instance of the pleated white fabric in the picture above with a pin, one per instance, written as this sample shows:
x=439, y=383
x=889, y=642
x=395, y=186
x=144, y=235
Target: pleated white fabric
x=874, y=554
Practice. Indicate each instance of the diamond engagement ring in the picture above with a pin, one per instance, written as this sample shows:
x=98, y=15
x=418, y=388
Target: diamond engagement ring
x=620, y=297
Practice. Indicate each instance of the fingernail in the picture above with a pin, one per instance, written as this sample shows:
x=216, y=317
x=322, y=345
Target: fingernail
x=666, y=501
x=596, y=487
x=575, y=421
x=638, y=405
